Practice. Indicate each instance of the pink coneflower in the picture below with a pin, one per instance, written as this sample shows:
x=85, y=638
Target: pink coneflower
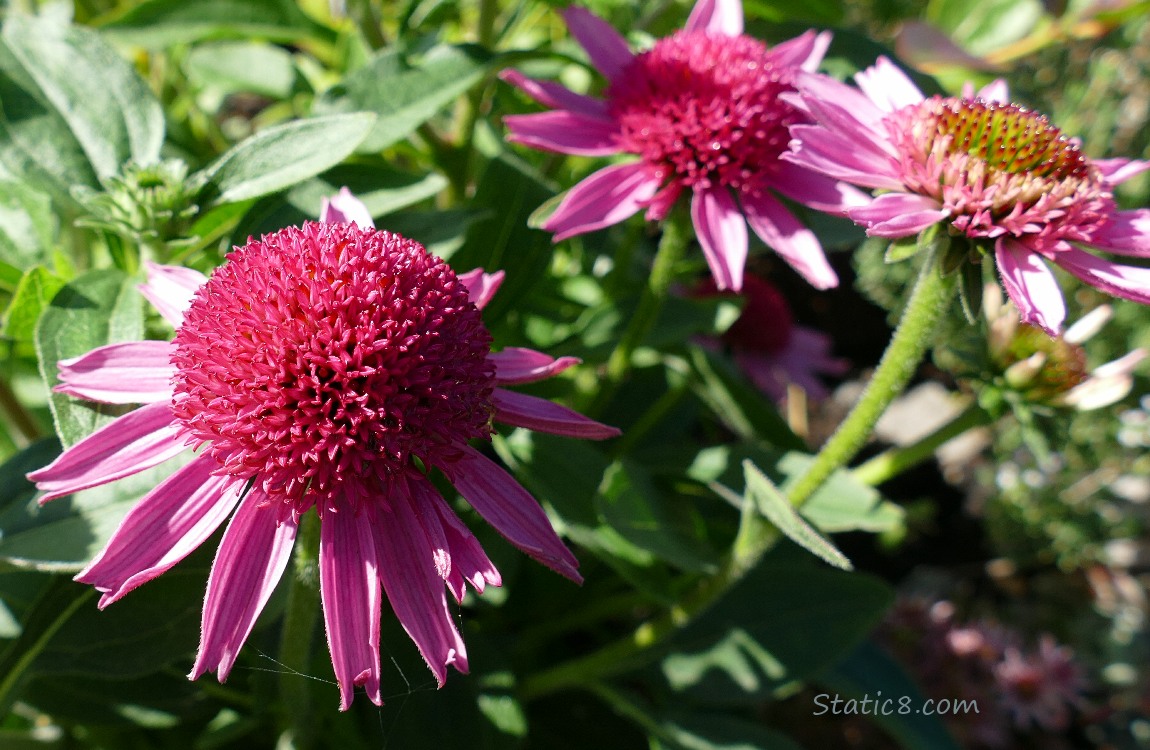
x=329, y=366
x=702, y=111
x=994, y=172
x=1040, y=688
x=771, y=348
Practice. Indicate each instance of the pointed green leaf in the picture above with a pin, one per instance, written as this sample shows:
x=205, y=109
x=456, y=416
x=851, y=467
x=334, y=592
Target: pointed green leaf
x=775, y=507
x=35, y=291
x=157, y=24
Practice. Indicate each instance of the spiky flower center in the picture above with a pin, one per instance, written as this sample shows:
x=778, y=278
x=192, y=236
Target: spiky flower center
x=704, y=109
x=319, y=359
x=1000, y=169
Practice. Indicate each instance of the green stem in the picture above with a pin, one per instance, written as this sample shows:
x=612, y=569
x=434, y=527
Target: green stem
x=928, y=299
x=672, y=247
x=895, y=461
x=296, y=640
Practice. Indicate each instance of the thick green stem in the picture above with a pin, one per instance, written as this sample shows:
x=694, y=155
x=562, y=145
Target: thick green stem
x=298, y=632
x=895, y=461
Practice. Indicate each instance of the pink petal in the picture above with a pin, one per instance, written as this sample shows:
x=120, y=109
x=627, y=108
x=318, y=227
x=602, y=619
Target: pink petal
x=606, y=197
x=249, y=563
x=887, y=86
x=898, y=215
x=516, y=365
x=1106, y=385
x=170, y=289
x=786, y=235
x=805, y=51
x=838, y=156
x=995, y=91
x=1031, y=285
x=606, y=48
x=815, y=190
x=510, y=509
x=542, y=415
x=564, y=132
x=716, y=17
x=481, y=286
x=816, y=87
x=556, y=96
x=1126, y=233
x=1127, y=282
x=347, y=209
x=350, y=589
x=873, y=137
x=468, y=560
x=722, y=233
x=138, y=372
x=416, y=592
x=163, y=528
x=136, y=441
x=1116, y=171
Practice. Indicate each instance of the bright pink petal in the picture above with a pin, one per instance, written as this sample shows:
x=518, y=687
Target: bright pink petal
x=1031, y=285
x=136, y=441
x=816, y=87
x=605, y=198
x=787, y=236
x=995, y=91
x=557, y=96
x=898, y=215
x=1127, y=282
x=564, y=132
x=345, y=208
x=1126, y=233
x=163, y=528
x=716, y=17
x=606, y=48
x=481, y=286
x=837, y=156
x=1116, y=171
x=416, y=592
x=468, y=560
x=249, y=563
x=539, y=414
x=873, y=137
x=805, y=51
x=516, y=365
x=815, y=190
x=170, y=289
x=510, y=509
x=722, y=233
x=887, y=86
x=138, y=372
x=350, y=588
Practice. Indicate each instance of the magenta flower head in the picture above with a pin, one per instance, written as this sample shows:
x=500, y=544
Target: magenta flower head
x=328, y=367
x=993, y=172
x=704, y=112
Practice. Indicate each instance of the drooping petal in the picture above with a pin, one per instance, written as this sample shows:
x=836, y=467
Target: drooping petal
x=1030, y=285
x=511, y=510
x=1117, y=171
x=468, y=560
x=557, y=96
x=805, y=51
x=863, y=134
x=1113, y=278
x=345, y=207
x=816, y=87
x=517, y=365
x=841, y=157
x=887, y=86
x=163, y=528
x=606, y=197
x=898, y=215
x=417, y=594
x=350, y=588
x=136, y=441
x=1126, y=233
x=138, y=372
x=787, y=236
x=1088, y=325
x=717, y=17
x=722, y=234
x=608, y=50
x=564, y=132
x=481, y=286
x=170, y=289
x=249, y=563
x=539, y=414
x=815, y=190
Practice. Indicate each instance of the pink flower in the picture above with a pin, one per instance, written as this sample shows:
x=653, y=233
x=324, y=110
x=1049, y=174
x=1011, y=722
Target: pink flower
x=994, y=172
x=704, y=111
x=1041, y=687
x=772, y=349
x=329, y=366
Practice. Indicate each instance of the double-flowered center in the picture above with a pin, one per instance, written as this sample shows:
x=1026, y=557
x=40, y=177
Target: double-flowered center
x=704, y=110
x=318, y=359
x=1001, y=169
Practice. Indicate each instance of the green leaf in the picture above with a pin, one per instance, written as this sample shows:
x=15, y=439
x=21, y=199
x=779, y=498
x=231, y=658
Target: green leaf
x=100, y=307
x=987, y=25
x=32, y=295
x=718, y=732
x=382, y=189
x=843, y=503
x=245, y=67
x=27, y=225
x=282, y=156
x=441, y=232
x=775, y=507
x=156, y=24
x=110, y=111
x=970, y=292
x=405, y=95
